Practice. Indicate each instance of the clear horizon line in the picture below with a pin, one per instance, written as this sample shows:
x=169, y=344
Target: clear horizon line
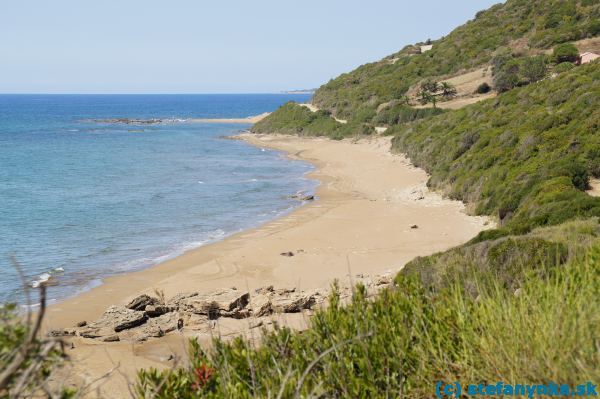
x=149, y=94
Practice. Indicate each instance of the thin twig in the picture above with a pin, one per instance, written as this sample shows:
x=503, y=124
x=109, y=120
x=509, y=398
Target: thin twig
x=287, y=376
x=321, y=356
x=25, y=348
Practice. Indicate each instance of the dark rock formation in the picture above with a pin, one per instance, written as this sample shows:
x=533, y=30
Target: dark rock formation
x=145, y=317
x=140, y=302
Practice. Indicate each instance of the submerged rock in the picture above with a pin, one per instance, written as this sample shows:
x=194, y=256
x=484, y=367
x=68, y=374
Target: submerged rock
x=302, y=197
x=128, y=121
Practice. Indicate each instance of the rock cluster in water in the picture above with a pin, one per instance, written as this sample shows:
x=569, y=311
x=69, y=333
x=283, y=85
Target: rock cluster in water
x=134, y=121
x=128, y=121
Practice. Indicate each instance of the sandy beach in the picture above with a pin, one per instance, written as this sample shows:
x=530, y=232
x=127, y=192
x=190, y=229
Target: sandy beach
x=360, y=222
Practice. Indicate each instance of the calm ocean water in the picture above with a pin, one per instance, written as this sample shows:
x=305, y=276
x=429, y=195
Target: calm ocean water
x=98, y=199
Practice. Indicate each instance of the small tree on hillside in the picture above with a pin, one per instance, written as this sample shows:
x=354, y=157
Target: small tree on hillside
x=428, y=92
x=507, y=75
x=425, y=97
x=535, y=68
x=448, y=90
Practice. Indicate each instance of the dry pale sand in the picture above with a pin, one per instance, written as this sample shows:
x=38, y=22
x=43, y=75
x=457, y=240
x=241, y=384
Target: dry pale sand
x=360, y=223
x=249, y=120
x=594, y=190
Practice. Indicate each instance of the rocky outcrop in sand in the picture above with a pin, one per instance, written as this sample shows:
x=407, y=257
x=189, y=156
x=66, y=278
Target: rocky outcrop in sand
x=147, y=317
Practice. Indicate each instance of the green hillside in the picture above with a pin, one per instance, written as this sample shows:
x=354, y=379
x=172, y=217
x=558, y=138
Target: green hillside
x=525, y=156
x=292, y=118
x=535, y=23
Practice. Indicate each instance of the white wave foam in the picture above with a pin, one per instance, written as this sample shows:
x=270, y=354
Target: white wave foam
x=42, y=278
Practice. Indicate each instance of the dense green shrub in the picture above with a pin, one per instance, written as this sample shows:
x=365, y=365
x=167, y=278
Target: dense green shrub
x=565, y=52
x=292, y=118
x=563, y=67
x=507, y=259
x=593, y=27
x=510, y=72
x=535, y=68
x=483, y=88
x=507, y=79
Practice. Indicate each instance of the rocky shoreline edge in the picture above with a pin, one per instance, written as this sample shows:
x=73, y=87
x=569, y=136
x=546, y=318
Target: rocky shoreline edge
x=152, y=316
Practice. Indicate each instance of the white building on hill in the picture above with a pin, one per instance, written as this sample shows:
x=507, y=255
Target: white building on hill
x=588, y=57
x=425, y=48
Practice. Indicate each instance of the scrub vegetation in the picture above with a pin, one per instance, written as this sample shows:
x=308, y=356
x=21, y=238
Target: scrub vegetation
x=411, y=336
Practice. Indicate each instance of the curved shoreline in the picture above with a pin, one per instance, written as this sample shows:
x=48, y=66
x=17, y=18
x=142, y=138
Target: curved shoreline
x=90, y=303
x=368, y=202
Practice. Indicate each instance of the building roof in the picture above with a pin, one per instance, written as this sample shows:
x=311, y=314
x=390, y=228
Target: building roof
x=588, y=56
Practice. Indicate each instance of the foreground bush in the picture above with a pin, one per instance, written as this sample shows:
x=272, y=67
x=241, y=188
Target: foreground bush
x=26, y=360
x=401, y=343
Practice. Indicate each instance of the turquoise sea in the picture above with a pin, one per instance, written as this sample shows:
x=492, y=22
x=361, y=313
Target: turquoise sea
x=82, y=200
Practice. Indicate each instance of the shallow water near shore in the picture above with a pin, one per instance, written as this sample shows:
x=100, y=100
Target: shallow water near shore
x=82, y=200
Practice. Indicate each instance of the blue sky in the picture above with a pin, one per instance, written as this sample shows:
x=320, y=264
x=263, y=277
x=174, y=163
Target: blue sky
x=195, y=46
